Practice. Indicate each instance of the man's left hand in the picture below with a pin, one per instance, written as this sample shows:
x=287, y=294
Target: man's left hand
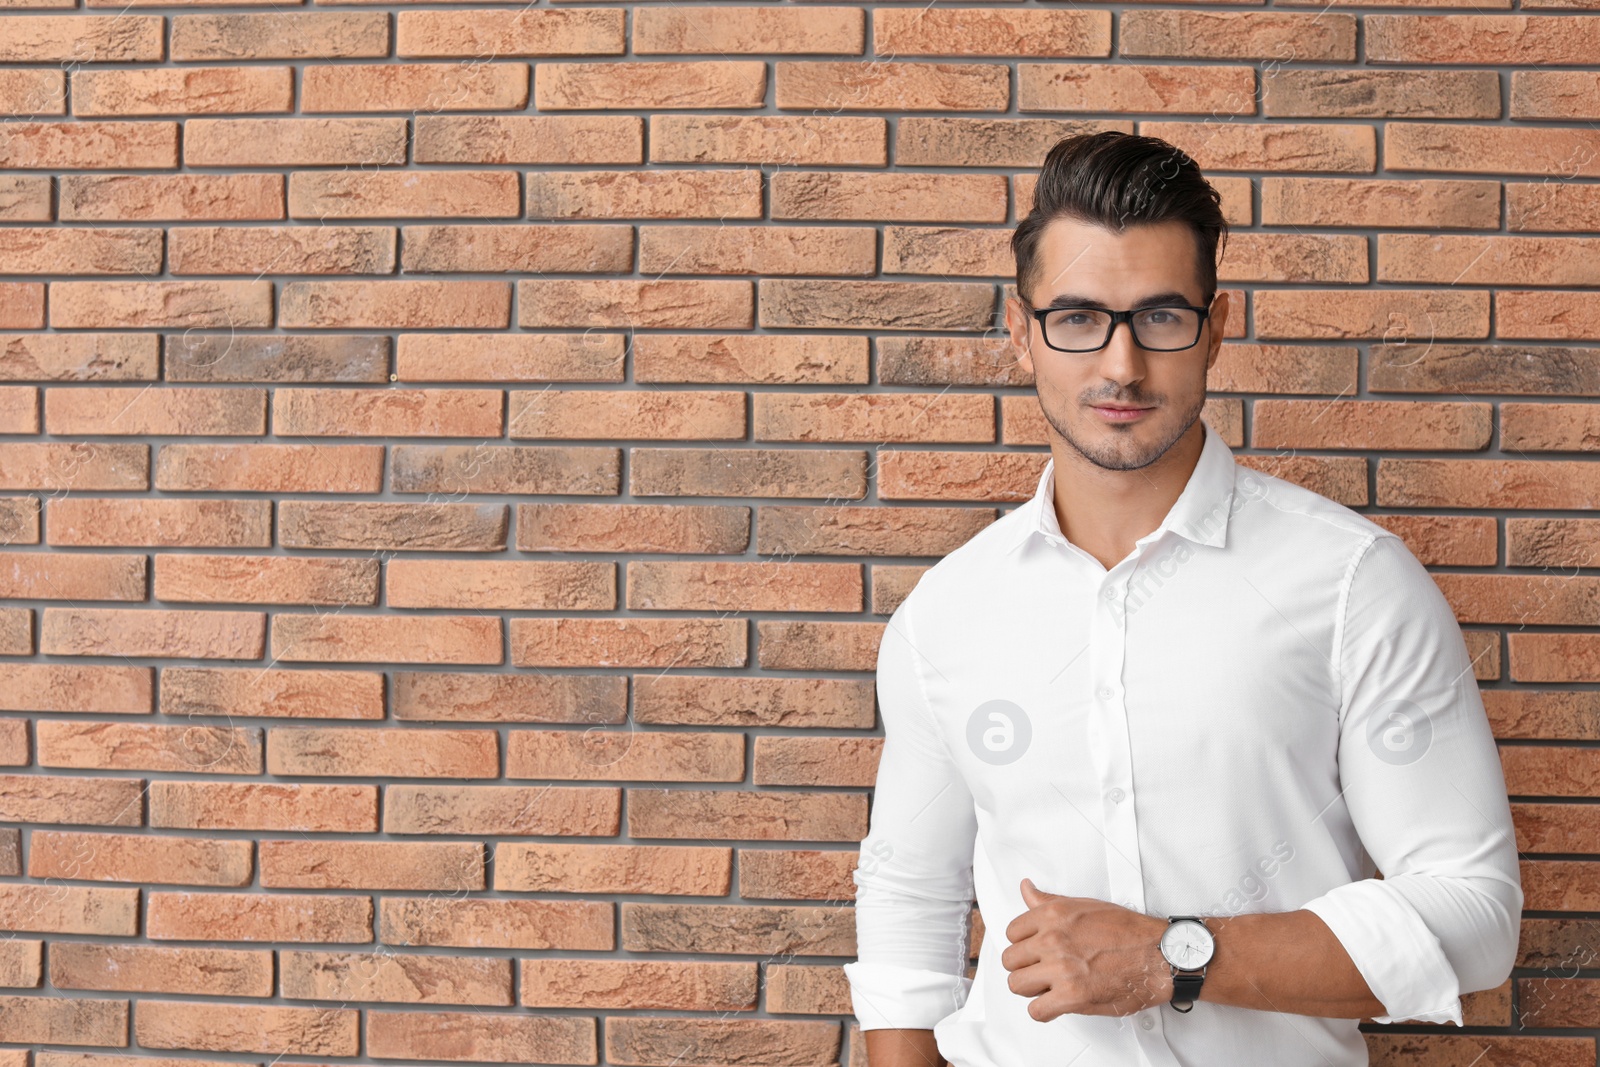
x=1084, y=956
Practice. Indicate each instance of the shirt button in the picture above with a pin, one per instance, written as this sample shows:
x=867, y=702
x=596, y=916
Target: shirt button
x=1106, y=692
x=1116, y=794
x=1111, y=592
x=1146, y=1023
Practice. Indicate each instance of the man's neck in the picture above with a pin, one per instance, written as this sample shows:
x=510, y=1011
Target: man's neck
x=1104, y=512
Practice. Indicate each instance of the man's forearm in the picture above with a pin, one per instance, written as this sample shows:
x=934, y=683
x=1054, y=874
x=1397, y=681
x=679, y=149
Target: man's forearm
x=902, y=1048
x=1285, y=961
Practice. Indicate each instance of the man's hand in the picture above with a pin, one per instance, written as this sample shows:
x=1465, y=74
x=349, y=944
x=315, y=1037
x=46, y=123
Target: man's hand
x=1084, y=956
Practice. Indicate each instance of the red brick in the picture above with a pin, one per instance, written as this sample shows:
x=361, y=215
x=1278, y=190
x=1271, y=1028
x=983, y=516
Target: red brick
x=280, y=35
x=488, y=32
x=183, y=90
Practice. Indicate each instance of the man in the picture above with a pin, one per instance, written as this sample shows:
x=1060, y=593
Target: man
x=1169, y=720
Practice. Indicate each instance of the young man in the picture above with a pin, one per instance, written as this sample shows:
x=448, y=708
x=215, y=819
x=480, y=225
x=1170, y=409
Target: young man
x=1168, y=720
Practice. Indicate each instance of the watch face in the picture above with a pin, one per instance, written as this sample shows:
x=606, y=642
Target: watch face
x=1187, y=944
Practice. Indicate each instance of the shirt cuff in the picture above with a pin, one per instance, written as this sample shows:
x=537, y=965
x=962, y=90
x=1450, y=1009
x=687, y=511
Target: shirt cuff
x=890, y=997
x=1394, y=950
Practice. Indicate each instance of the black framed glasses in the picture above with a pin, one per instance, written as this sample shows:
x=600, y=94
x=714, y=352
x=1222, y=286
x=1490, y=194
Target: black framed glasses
x=1166, y=328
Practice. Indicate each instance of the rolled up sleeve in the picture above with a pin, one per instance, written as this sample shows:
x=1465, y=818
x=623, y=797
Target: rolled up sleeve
x=1421, y=779
x=913, y=876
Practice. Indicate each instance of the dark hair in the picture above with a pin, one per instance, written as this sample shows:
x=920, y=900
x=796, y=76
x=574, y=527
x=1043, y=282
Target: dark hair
x=1114, y=179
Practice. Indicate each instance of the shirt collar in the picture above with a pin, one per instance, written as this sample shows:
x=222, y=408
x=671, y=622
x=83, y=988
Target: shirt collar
x=1200, y=514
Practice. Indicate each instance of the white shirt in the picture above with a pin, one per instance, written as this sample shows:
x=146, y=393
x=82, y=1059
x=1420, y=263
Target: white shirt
x=1266, y=702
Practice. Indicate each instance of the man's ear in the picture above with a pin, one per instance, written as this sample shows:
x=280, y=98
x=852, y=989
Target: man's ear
x=1017, y=324
x=1218, y=321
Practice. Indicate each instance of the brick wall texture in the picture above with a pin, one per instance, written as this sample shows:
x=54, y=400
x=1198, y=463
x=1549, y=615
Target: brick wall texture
x=458, y=459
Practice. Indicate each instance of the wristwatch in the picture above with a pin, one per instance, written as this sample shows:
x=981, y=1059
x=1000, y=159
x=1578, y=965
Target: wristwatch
x=1188, y=946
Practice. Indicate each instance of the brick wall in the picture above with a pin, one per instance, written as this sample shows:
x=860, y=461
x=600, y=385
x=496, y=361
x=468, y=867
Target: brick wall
x=458, y=462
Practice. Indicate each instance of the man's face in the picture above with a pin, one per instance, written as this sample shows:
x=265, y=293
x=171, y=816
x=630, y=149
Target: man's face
x=1120, y=271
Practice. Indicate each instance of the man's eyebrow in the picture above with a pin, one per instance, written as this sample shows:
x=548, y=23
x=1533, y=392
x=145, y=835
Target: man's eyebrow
x=1171, y=296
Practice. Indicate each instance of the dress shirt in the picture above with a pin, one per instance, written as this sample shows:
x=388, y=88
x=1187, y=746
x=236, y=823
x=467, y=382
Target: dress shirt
x=1265, y=704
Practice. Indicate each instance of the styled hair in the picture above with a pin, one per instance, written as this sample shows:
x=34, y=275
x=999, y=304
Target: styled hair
x=1116, y=180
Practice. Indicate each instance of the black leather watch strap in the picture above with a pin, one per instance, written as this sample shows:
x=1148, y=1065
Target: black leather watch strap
x=1186, y=984
x=1186, y=988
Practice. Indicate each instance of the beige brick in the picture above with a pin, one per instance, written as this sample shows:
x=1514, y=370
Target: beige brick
x=43, y=798
x=140, y=858
x=64, y=1020
x=256, y=692
x=894, y=86
x=319, y=249
x=1288, y=146
x=165, y=304
x=307, y=807
x=320, y=864
x=534, y=249
x=1428, y=202
x=261, y=1028
x=482, y=1036
x=177, y=197
x=1427, y=146
x=673, y=985
x=280, y=35
x=503, y=33
x=294, y=142
x=1488, y=260
x=1421, y=314
x=89, y=145
x=873, y=417
x=641, y=414
x=1398, y=426
x=592, y=139
x=1135, y=88
x=874, y=305
x=1280, y=36
x=548, y=867
x=732, y=83
x=395, y=304
x=149, y=632
x=1292, y=92
x=192, y=523
x=890, y=196
x=171, y=410
x=758, y=250
x=795, y=140
x=157, y=969
x=749, y=358
x=656, y=194
x=1554, y=94
x=401, y=752
x=741, y=30
x=411, y=977
x=515, y=924
x=629, y=755
x=840, y=474
x=585, y=642
x=481, y=811
x=140, y=747
x=669, y=303
x=1521, y=40
x=404, y=194
x=746, y=816
x=977, y=31
x=867, y=530
x=514, y=585
x=656, y=585
x=76, y=38
x=218, y=916
x=183, y=91
x=709, y=528
x=415, y=87
x=70, y=909
x=937, y=141
x=270, y=468
x=349, y=638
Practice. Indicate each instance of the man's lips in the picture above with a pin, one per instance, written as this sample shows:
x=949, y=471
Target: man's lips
x=1119, y=414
